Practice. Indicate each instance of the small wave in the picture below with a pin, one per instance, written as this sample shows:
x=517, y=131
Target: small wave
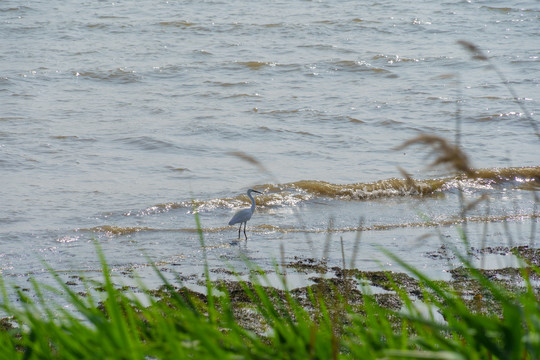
x=354, y=120
x=255, y=65
x=320, y=46
x=228, y=84
x=98, y=26
x=357, y=66
x=391, y=59
x=119, y=75
x=483, y=178
x=499, y=116
x=266, y=228
x=499, y=9
x=233, y=96
x=511, y=174
x=273, y=198
x=178, y=169
x=272, y=112
x=286, y=131
x=117, y=230
x=180, y=23
x=364, y=191
x=65, y=137
x=111, y=230
x=490, y=97
x=72, y=138
x=148, y=143
x=17, y=8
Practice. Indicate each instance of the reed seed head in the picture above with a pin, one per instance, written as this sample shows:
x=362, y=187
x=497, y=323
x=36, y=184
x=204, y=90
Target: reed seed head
x=475, y=51
x=447, y=154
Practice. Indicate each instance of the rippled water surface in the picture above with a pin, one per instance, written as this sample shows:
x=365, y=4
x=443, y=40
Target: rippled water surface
x=117, y=119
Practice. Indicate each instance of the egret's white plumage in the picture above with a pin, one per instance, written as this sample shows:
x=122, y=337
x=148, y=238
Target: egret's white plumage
x=244, y=215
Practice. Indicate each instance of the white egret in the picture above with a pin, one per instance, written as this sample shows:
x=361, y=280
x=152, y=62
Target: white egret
x=242, y=216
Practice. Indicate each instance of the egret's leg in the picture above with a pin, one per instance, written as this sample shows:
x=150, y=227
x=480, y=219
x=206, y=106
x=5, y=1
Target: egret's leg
x=245, y=224
x=239, y=230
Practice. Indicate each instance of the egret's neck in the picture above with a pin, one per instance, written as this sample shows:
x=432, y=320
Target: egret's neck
x=252, y=202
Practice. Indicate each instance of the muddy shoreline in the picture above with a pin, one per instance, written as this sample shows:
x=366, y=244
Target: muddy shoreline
x=342, y=289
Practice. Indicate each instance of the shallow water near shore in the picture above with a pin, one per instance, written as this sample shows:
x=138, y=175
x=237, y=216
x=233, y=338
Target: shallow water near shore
x=118, y=122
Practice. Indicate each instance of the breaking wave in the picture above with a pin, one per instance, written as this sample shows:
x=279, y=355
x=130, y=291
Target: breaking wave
x=294, y=193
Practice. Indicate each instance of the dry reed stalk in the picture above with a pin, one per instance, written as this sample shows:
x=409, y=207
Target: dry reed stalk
x=478, y=54
x=448, y=154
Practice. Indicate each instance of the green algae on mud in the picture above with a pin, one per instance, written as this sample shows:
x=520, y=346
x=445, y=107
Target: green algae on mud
x=345, y=290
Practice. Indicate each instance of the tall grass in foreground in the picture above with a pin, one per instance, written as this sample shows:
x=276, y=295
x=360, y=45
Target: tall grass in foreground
x=177, y=324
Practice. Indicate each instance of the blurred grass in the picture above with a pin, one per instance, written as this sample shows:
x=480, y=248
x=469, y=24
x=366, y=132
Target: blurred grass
x=327, y=323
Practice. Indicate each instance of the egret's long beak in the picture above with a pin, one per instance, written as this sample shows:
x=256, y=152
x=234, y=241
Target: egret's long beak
x=258, y=192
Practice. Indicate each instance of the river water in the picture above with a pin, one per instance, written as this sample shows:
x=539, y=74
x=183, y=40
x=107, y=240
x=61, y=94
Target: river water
x=119, y=119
